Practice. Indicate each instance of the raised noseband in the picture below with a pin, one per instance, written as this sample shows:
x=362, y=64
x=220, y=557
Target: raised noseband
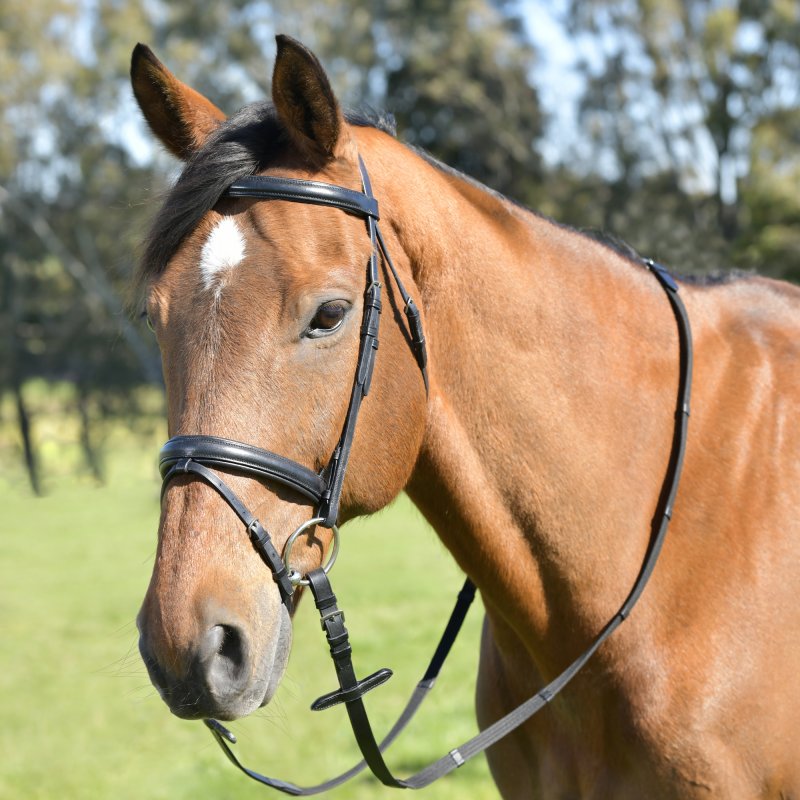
x=214, y=451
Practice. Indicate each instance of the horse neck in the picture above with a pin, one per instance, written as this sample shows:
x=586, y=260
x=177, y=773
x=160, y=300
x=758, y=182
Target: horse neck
x=554, y=374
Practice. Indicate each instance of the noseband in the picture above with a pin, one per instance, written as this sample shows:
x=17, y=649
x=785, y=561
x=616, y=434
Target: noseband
x=195, y=455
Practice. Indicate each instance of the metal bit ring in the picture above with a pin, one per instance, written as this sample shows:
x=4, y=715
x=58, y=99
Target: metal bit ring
x=294, y=575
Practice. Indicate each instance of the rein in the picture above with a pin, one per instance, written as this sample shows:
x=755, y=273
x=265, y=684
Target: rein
x=195, y=454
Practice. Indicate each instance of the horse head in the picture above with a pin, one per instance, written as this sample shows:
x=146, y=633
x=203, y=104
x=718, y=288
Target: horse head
x=257, y=307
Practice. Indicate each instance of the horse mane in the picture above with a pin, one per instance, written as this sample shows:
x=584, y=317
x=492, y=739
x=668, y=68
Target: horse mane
x=627, y=251
x=246, y=143
x=718, y=277
x=603, y=237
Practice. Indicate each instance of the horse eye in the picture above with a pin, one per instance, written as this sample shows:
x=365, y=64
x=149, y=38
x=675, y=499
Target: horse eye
x=328, y=318
x=147, y=321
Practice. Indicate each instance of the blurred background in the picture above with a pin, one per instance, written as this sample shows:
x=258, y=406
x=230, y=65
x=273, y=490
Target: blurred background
x=674, y=125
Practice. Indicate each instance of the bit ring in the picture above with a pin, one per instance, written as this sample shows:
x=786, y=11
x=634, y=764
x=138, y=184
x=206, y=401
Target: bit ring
x=294, y=576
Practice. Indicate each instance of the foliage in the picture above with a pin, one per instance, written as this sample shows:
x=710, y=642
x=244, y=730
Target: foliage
x=696, y=103
x=460, y=87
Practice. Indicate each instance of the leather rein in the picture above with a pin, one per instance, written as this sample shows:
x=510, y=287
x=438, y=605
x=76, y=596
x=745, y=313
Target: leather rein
x=196, y=455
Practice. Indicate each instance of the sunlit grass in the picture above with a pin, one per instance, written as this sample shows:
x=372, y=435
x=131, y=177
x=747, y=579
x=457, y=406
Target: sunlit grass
x=79, y=716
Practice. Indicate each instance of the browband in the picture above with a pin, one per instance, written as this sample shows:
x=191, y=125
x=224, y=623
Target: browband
x=264, y=187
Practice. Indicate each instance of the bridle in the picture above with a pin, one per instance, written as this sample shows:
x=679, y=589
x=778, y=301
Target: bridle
x=196, y=455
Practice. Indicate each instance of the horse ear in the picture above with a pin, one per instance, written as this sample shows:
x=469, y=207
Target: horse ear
x=178, y=115
x=305, y=101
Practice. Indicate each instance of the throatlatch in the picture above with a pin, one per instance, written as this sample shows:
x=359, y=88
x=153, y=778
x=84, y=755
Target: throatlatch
x=195, y=454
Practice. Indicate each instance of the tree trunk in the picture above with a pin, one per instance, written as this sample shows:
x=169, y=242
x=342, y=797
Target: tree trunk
x=24, y=420
x=89, y=452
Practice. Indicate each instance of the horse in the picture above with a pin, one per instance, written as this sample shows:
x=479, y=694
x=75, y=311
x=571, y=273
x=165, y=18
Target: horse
x=537, y=449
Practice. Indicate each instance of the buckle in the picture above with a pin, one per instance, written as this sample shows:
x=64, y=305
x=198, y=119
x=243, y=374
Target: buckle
x=330, y=615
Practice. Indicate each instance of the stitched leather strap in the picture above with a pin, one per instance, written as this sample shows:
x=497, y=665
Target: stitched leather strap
x=416, y=335
x=262, y=187
x=225, y=453
x=368, y=348
x=223, y=736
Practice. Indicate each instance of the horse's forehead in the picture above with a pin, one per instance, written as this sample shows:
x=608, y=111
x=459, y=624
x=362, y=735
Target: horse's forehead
x=279, y=252
x=296, y=239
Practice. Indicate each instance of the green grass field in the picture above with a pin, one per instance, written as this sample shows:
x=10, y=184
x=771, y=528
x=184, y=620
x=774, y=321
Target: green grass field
x=79, y=716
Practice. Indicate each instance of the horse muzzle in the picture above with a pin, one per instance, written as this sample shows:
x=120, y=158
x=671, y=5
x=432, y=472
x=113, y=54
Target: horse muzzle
x=224, y=673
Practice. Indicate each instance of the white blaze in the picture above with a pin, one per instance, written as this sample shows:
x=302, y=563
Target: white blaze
x=223, y=250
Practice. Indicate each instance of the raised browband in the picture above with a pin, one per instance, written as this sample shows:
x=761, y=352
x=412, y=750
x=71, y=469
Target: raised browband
x=214, y=451
x=265, y=187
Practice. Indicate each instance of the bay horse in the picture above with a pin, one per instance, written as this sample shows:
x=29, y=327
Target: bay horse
x=537, y=452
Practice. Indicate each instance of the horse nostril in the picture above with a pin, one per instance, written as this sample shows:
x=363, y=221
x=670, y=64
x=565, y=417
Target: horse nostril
x=226, y=661
x=231, y=648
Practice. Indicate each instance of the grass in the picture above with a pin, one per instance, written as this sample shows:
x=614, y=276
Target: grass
x=80, y=719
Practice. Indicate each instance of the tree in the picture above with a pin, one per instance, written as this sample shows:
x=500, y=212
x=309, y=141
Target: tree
x=68, y=192
x=686, y=91
x=459, y=82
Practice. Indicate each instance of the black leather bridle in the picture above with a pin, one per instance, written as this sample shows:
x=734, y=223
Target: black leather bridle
x=196, y=455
